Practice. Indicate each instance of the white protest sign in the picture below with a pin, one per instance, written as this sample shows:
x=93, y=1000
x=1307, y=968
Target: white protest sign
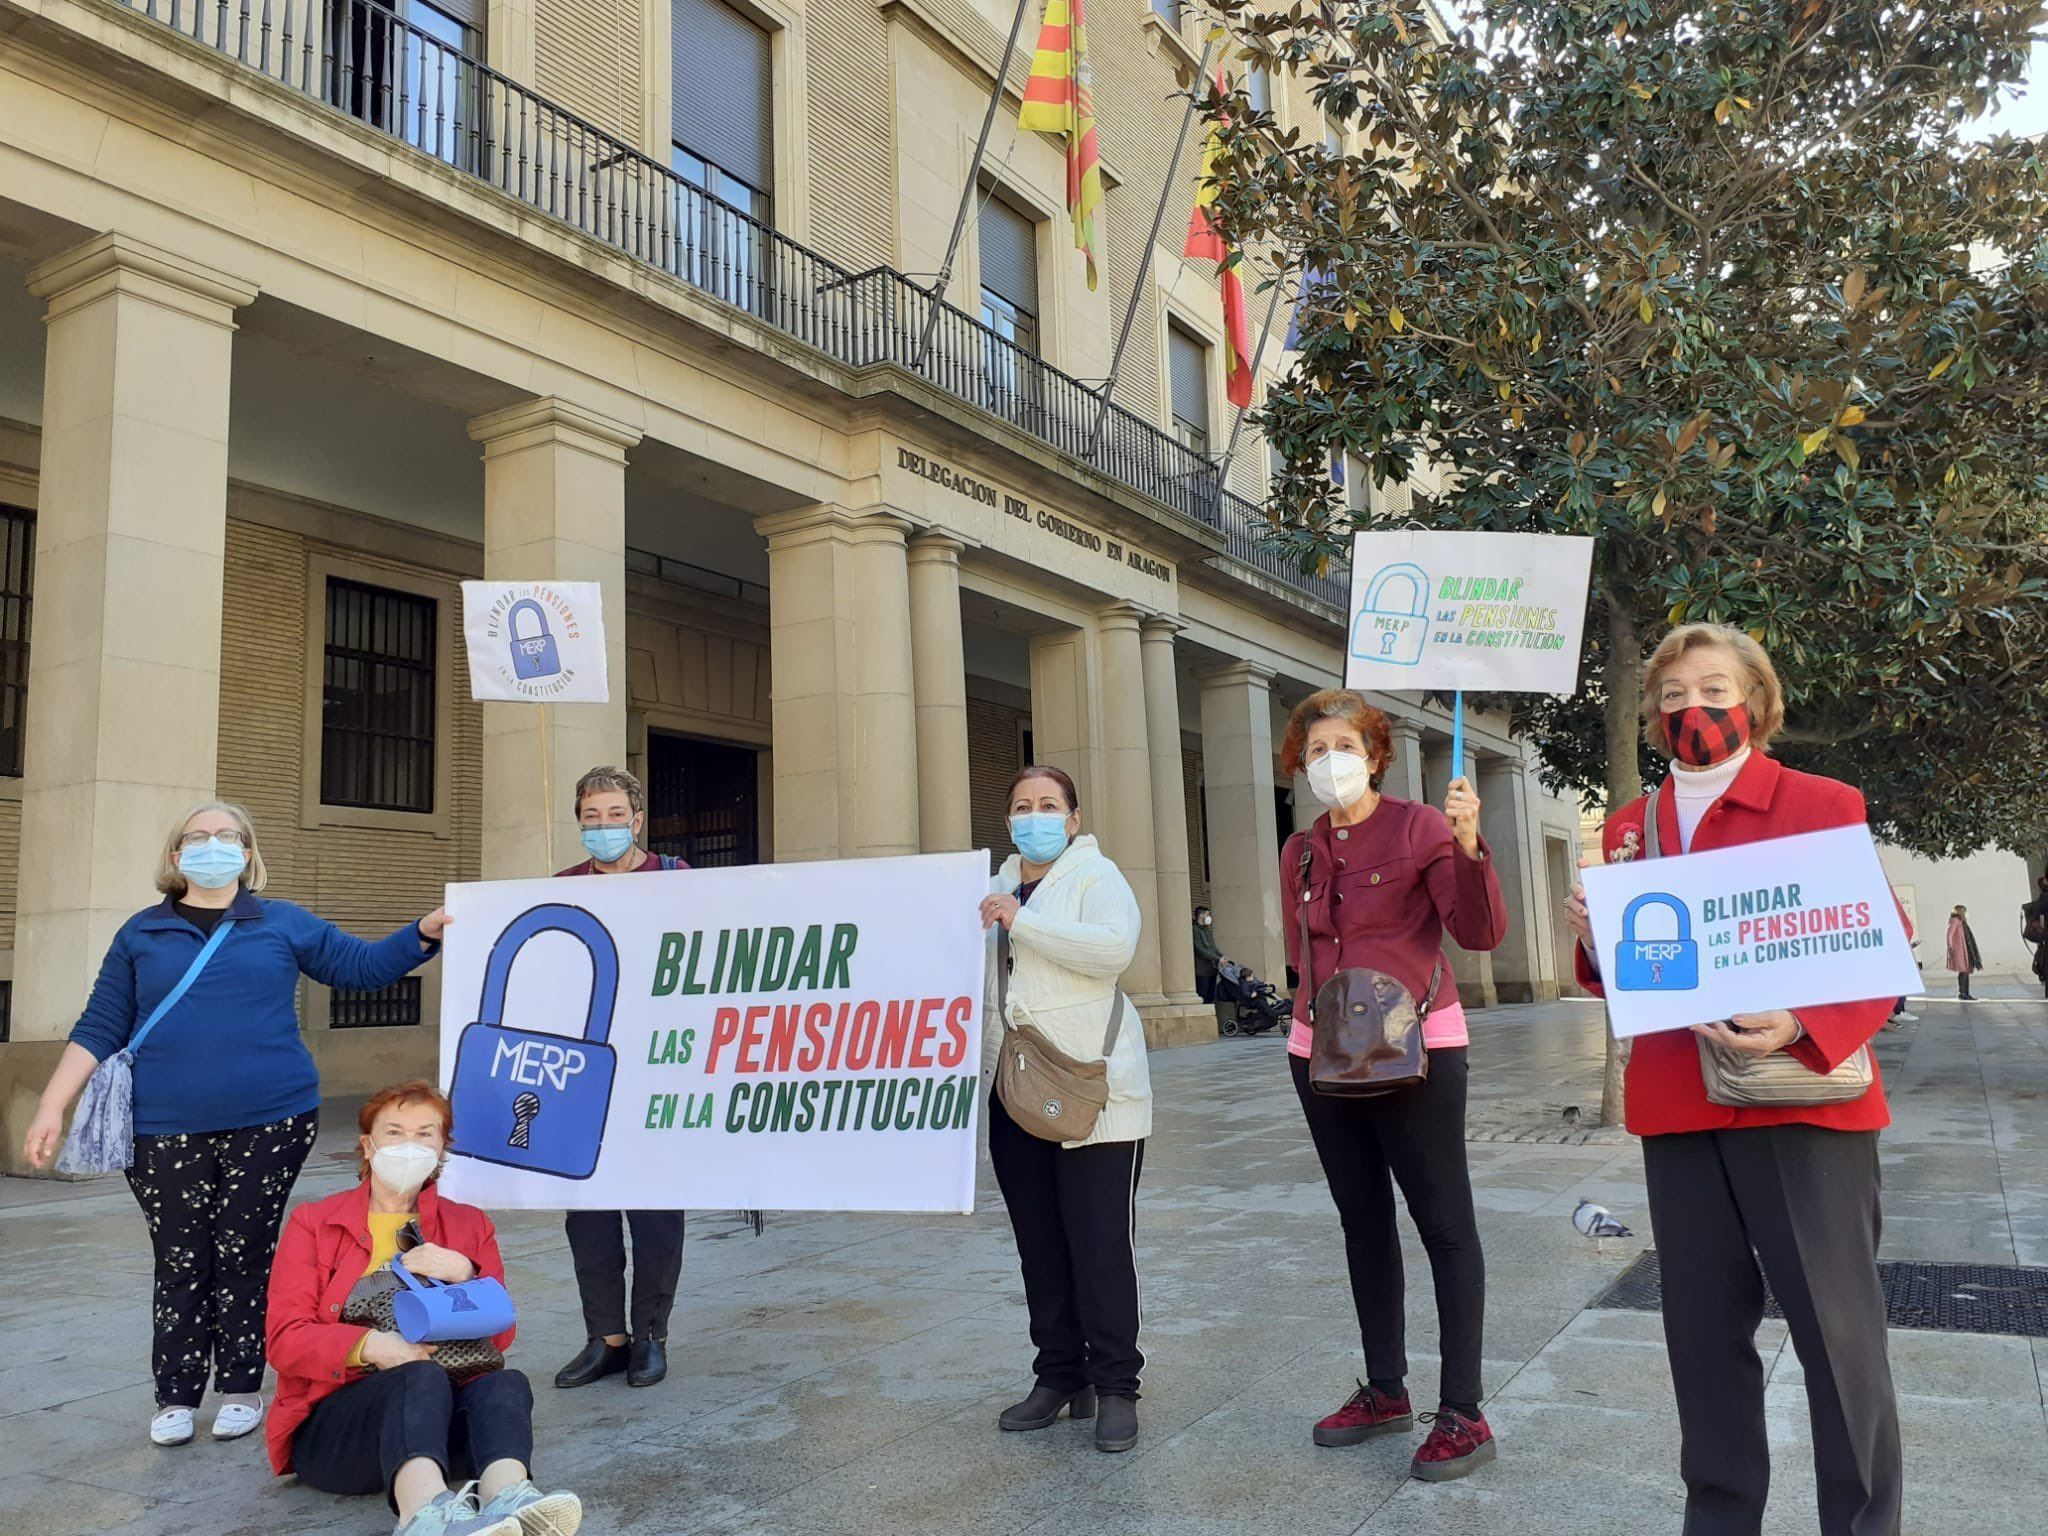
x=1787, y=923
x=1492, y=612
x=782, y=1037
x=535, y=642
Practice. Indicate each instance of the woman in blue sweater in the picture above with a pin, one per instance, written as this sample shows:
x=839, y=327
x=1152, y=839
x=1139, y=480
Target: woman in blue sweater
x=226, y=1096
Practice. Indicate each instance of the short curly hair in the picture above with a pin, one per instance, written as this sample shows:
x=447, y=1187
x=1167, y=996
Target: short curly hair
x=1372, y=725
x=397, y=1096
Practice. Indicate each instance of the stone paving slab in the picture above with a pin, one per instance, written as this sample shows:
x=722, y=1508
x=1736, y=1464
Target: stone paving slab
x=840, y=1375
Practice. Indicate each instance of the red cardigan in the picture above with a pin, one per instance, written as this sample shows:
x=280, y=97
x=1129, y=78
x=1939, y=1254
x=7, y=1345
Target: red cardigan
x=323, y=1253
x=1382, y=895
x=1665, y=1091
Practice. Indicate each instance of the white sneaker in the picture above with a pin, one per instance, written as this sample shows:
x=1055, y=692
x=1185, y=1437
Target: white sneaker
x=1906, y=1018
x=171, y=1426
x=539, y=1514
x=236, y=1420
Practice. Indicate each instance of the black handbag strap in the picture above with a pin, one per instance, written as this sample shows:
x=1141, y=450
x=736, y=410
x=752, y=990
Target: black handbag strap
x=1436, y=975
x=1653, y=840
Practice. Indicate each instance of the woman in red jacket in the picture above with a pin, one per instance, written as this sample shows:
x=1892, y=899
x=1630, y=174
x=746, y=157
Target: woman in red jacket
x=362, y=1411
x=1793, y=1188
x=1377, y=882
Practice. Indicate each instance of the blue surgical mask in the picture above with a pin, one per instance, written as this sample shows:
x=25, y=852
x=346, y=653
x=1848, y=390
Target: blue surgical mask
x=607, y=845
x=1041, y=836
x=212, y=864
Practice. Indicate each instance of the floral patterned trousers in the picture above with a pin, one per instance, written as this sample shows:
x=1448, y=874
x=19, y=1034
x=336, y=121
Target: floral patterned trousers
x=213, y=1201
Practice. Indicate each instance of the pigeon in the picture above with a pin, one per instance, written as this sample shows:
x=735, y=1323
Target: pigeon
x=1572, y=1114
x=1596, y=1221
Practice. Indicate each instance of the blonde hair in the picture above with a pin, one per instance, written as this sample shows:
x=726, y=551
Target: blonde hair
x=172, y=882
x=1762, y=692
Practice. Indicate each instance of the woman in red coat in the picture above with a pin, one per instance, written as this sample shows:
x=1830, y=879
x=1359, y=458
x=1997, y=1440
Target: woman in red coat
x=1793, y=1189
x=362, y=1411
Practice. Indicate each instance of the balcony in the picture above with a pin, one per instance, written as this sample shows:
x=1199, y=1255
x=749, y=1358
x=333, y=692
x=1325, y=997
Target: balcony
x=360, y=59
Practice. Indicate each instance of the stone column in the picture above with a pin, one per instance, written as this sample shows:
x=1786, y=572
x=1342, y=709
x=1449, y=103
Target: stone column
x=1169, y=812
x=844, y=696
x=1473, y=968
x=1404, y=774
x=124, y=657
x=1503, y=821
x=1244, y=857
x=1126, y=825
x=554, y=510
x=944, y=810
x=1063, y=716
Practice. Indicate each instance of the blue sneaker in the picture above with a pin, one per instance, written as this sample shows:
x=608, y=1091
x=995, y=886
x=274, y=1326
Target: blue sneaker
x=534, y=1513
x=454, y=1513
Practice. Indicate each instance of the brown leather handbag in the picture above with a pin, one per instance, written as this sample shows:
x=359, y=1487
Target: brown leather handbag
x=1048, y=1093
x=1366, y=1026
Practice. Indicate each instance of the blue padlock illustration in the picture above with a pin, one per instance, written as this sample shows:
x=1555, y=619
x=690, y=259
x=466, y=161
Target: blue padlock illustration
x=1385, y=632
x=534, y=1099
x=1656, y=965
x=533, y=655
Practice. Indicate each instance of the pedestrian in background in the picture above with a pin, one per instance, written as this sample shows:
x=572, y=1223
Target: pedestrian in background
x=1065, y=925
x=2034, y=929
x=611, y=808
x=1740, y=1194
x=1207, y=956
x=226, y=1098
x=1375, y=885
x=1963, y=956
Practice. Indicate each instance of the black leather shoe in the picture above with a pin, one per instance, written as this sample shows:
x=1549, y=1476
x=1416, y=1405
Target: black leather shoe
x=1042, y=1407
x=1116, y=1426
x=649, y=1362
x=597, y=1361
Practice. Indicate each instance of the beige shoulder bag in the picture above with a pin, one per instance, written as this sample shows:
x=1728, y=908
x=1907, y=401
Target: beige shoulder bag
x=1046, y=1091
x=1779, y=1080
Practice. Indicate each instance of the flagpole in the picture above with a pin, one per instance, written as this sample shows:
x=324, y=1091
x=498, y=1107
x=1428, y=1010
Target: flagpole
x=1123, y=339
x=1258, y=356
x=988, y=122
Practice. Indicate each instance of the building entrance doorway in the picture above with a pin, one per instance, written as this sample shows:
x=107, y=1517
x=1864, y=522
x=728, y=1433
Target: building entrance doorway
x=703, y=801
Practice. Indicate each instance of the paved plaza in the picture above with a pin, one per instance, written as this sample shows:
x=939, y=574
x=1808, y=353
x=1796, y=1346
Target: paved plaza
x=841, y=1374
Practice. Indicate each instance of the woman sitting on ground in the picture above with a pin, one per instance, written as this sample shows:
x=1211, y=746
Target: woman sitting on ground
x=360, y=1410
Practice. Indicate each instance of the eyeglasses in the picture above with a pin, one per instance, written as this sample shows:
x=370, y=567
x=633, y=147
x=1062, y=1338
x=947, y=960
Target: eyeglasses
x=200, y=839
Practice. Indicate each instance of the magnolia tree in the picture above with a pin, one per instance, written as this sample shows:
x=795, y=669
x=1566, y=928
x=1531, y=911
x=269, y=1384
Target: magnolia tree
x=1724, y=285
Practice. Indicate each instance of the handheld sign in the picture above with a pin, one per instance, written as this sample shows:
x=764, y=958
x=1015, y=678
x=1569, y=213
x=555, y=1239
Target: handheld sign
x=535, y=642
x=1495, y=612
x=765, y=1038
x=1788, y=923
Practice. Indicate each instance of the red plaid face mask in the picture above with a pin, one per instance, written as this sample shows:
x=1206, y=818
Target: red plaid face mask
x=1705, y=734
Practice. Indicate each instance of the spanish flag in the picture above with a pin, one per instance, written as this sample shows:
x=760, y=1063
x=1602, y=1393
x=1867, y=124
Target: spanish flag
x=1059, y=98
x=1205, y=240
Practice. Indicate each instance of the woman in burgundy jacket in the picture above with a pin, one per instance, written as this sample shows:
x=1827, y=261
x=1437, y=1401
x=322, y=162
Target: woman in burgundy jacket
x=1791, y=1188
x=360, y=1410
x=1384, y=880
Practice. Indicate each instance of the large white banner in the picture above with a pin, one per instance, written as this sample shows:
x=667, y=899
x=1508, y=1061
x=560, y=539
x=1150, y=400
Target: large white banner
x=535, y=642
x=783, y=1037
x=1788, y=923
x=1492, y=612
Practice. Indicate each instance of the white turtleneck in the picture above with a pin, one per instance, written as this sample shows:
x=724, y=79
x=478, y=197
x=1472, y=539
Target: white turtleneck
x=1694, y=789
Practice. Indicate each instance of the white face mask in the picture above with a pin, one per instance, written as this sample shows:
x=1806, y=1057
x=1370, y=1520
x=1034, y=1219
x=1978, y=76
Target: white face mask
x=1340, y=779
x=404, y=1167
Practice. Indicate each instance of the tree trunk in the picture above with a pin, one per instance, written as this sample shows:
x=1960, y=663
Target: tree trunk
x=1623, y=679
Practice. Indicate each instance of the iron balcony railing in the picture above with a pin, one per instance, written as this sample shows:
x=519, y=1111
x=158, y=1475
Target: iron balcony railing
x=362, y=59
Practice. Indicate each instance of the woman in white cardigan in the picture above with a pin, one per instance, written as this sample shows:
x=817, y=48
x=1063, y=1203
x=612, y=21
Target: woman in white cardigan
x=1071, y=927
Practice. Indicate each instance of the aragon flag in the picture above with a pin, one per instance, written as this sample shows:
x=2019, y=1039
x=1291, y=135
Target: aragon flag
x=1059, y=98
x=1204, y=240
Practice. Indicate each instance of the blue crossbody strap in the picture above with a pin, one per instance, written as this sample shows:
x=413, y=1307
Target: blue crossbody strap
x=220, y=935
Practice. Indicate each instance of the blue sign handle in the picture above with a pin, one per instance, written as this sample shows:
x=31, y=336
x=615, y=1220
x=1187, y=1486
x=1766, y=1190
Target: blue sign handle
x=1458, y=734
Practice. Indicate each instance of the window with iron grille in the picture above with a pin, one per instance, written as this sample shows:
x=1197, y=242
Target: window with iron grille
x=396, y=1004
x=17, y=584
x=377, y=711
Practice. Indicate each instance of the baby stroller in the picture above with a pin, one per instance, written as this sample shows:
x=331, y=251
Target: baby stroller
x=1256, y=1006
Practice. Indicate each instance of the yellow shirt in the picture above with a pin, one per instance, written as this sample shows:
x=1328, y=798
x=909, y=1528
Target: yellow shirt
x=384, y=1229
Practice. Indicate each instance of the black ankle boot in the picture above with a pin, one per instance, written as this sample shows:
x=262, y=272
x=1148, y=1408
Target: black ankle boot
x=1043, y=1406
x=597, y=1361
x=1116, y=1424
x=648, y=1362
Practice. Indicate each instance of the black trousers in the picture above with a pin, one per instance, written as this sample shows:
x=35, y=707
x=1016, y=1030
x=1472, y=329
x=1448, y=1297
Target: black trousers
x=597, y=1246
x=356, y=1439
x=1414, y=1138
x=213, y=1201
x=1803, y=1201
x=1075, y=1213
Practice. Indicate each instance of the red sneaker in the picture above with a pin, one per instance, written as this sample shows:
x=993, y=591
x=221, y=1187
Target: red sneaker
x=1366, y=1412
x=1456, y=1445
